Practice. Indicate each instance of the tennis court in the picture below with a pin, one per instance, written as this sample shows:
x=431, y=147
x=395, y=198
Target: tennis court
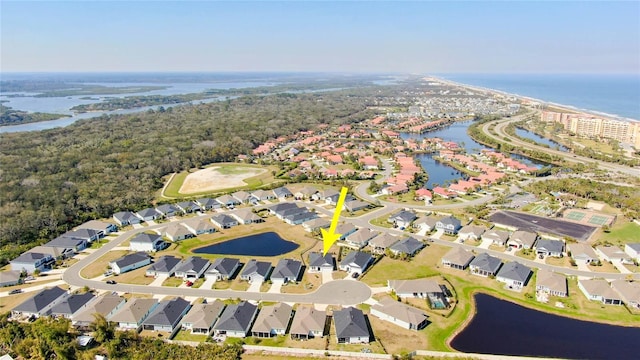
x=598, y=220
x=575, y=215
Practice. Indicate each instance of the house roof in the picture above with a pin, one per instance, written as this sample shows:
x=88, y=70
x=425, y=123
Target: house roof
x=134, y=310
x=317, y=223
x=166, y=263
x=400, y=311
x=357, y=257
x=223, y=219
x=525, y=237
x=350, y=322
x=361, y=236
x=148, y=212
x=226, y=199
x=246, y=214
x=39, y=301
x=415, y=286
x=103, y=305
x=384, y=240
x=613, y=252
x=355, y=204
x=407, y=246
x=496, y=235
x=282, y=191
x=9, y=276
x=308, y=319
x=97, y=225
x=176, y=230
x=167, y=208
x=71, y=304
x=124, y=216
x=272, y=317
x=198, y=224
x=257, y=267
x=515, y=271
x=236, y=317
x=473, y=229
x=300, y=216
x=307, y=191
x=186, y=205
x=486, y=262
x=54, y=251
x=581, y=251
x=345, y=228
x=207, y=202
x=403, y=215
x=241, y=195
x=317, y=259
x=279, y=207
x=552, y=280
x=450, y=220
x=260, y=194
x=287, y=268
x=81, y=233
x=554, y=246
x=30, y=257
x=168, y=312
x=144, y=238
x=130, y=259
x=66, y=242
x=458, y=256
x=599, y=287
x=629, y=291
x=193, y=263
x=202, y=316
x=429, y=220
x=224, y=266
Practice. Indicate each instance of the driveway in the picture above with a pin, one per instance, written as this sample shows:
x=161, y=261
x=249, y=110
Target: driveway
x=159, y=280
x=485, y=244
x=438, y=234
x=275, y=287
x=621, y=268
x=255, y=286
x=208, y=283
x=327, y=275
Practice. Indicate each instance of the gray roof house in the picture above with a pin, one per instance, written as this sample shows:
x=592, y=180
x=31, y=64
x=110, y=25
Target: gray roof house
x=164, y=266
x=198, y=226
x=287, y=270
x=408, y=247
x=167, y=315
x=355, y=205
x=55, y=252
x=457, y=258
x=208, y=203
x=522, y=239
x=360, y=238
x=40, y=303
x=300, y=218
x=246, y=216
x=514, y=275
x=356, y=262
x=223, y=269
x=242, y=196
x=316, y=224
x=582, y=252
x=599, y=290
x=130, y=262
x=282, y=192
x=308, y=323
x=552, y=283
x=10, y=278
x=633, y=250
x=471, y=232
x=400, y=314
x=417, y=288
x=188, y=207
x=273, y=320
x=325, y=194
x=546, y=247
x=133, y=313
x=426, y=223
x=31, y=261
x=105, y=305
x=168, y=210
x=449, y=225
x=256, y=271
x=306, y=192
x=280, y=207
x=227, y=200
x=124, y=218
x=223, y=221
x=192, y=268
x=318, y=262
x=77, y=244
x=177, y=232
x=351, y=326
x=382, y=242
x=485, y=265
x=72, y=304
x=345, y=229
x=148, y=214
x=103, y=228
x=287, y=209
x=499, y=237
x=236, y=320
x=402, y=219
x=202, y=317
x=262, y=195
x=87, y=234
x=146, y=242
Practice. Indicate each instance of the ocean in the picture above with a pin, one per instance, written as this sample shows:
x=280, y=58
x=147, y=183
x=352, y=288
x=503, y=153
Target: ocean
x=610, y=94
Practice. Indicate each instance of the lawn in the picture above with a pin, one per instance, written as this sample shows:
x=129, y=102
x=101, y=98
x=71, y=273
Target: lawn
x=173, y=282
x=622, y=233
x=397, y=340
x=422, y=265
x=135, y=277
x=99, y=266
x=309, y=283
x=186, y=335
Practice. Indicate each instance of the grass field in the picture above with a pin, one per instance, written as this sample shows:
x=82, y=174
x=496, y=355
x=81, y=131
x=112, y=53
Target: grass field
x=99, y=266
x=622, y=233
x=422, y=265
x=135, y=277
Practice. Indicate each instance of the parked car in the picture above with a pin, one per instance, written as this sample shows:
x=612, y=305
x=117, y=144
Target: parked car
x=15, y=291
x=189, y=283
x=29, y=278
x=355, y=275
x=111, y=282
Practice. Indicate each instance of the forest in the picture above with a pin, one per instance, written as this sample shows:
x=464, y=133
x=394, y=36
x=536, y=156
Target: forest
x=56, y=179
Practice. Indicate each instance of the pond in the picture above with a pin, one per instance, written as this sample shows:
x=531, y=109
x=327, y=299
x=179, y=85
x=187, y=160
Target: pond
x=539, y=139
x=501, y=327
x=264, y=244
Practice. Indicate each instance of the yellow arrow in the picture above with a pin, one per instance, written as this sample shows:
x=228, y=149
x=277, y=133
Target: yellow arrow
x=330, y=237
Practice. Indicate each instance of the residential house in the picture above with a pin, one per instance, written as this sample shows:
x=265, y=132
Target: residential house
x=424, y=195
x=227, y=201
x=417, y=288
x=360, y=238
x=167, y=315
x=485, y=265
x=402, y=219
x=582, y=253
x=356, y=262
x=71, y=304
x=106, y=305
x=629, y=292
x=86, y=234
x=471, y=232
x=613, y=254
x=316, y=224
x=262, y=195
x=208, y=203
x=273, y=320
x=29, y=262
x=198, y=226
x=41, y=303
x=345, y=229
x=146, y=242
x=355, y=205
x=599, y=290
x=223, y=269
x=498, y=237
x=202, y=317
x=333, y=199
x=148, y=214
x=242, y=196
x=102, y=228
x=188, y=207
x=406, y=247
x=236, y=320
x=282, y=193
x=308, y=323
x=449, y=225
x=522, y=239
x=305, y=193
x=283, y=209
x=287, y=270
x=351, y=326
x=63, y=242
x=124, y=218
x=130, y=262
x=192, y=268
x=323, y=195
x=514, y=275
x=164, y=266
x=133, y=313
x=256, y=271
x=246, y=216
x=318, y=262
x=299, y=218
x=168, y=210
x=400, y=314
x=10, y=278
x=177, y=232
x=457, y=258
x=551, y=283
x=224, y=221
x=553, y=248
x=58, y=253
x=426, y=224
x=382, y=242
x=633, y=250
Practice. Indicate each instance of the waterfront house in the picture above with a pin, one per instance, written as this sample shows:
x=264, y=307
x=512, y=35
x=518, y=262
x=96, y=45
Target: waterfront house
x=400, y=314
x=498, y=237
x=356, y=262
x=316, y=224
x=124, y=218
x=417, y=288
x=582, y=253
x=629, y=292
x=449, y=224
x=246, y=216
x=360, y=238
x=522, y=239
x=308, y=323
x=287, y=270
x=133, y=313
x=553, y=248
x=457, y=258
x=514, y=275
x=130, y=262
x=201, y=318
x=551, y=283
x=177, y=232
x=41, y=303
x=273, y=320
x=223, y=269
x=198, y=226
x=71, y=305
x=106, y=305
x=167, y=315
x=192, y=268
x=351, y=326
x=406, y=247
x=485, y=265
x=599, y=290
x=164, y=266
x=318, y=262
x=256, y=271
x=236, y=320
x=224, y=221
x=146, y=242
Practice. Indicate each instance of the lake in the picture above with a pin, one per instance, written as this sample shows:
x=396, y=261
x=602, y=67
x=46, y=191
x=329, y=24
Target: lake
x=264, y=244
x=539, y=139
x=502, y=327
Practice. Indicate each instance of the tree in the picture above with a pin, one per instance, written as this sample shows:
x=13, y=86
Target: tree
x=102, y=329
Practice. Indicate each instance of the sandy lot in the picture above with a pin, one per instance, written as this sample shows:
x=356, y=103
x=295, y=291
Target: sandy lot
x=211, y=179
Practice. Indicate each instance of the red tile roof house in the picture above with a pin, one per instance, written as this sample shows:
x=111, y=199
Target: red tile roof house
x=369, y=163
x=334, y=159
x=445, y=193
x=424, y=194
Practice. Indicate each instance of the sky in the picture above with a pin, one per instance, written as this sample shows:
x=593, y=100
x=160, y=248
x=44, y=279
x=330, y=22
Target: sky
x=348, y=36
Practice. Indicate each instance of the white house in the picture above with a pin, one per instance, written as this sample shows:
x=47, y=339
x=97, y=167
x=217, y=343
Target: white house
x=400, y=314
x=130, y=262
x=146, y=242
